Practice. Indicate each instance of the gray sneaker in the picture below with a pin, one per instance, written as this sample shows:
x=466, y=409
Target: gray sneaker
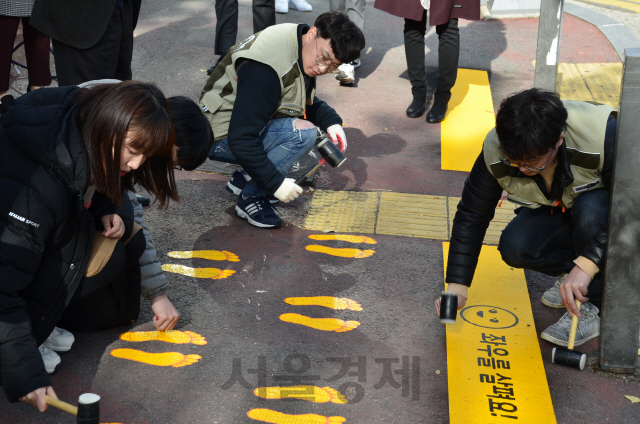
x=588, y=327
x=50, y=358
x=552, y=297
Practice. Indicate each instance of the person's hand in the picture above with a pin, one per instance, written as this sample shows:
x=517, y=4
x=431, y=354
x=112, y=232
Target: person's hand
x=576, y=285
x=458, y=289
x=113, y=226
x=338, y=137
x=38, y=397
x=288, y=190
x=166, y=314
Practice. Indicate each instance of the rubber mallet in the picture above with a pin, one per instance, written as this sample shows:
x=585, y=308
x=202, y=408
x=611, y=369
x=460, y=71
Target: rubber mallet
x=87, y=411
x=448, y=307
x=569, y=357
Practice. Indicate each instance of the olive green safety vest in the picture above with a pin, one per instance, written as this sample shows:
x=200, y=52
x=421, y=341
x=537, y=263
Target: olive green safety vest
x=584, y=139
x=276, y=46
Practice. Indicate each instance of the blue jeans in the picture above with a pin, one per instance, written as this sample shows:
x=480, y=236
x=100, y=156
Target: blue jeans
x=537, y=240
x=283, y=143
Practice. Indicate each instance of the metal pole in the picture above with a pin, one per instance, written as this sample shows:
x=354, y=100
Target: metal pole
x=549, y=31
x=620, y=320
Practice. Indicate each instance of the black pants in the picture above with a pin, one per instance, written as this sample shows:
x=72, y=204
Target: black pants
x=448, y=54
x=109, y=58
x=112, y=297
x=264, y=15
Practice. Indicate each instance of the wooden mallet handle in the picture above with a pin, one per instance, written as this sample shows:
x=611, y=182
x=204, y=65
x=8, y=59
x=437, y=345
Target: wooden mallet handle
x=66, y=407
x=574, y=327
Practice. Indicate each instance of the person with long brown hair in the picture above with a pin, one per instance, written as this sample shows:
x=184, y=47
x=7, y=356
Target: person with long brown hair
x=68, y=247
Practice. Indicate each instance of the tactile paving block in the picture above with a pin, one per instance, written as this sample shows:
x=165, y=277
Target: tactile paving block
x=413, y=215
x=343, y=211
x=504, y=215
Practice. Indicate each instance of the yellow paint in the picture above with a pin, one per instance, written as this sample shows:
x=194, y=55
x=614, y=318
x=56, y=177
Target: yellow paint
x=498, y=306
x=469, y=119
x=343, y=237
x=309, y=393
x=269, y=416
x=213, y=273
x=324, y=324
x=170, y=336
x=214, y=255
x=326, y=301
x=344, y=253
x=166, y=359
x=629, y=5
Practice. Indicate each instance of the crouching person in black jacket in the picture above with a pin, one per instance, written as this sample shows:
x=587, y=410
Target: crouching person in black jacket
x=68, y=247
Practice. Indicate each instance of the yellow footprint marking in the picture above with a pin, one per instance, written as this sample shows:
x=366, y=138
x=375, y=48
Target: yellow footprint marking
x=170, y=336
x=269, y=416
x=310, y=393
x=214, y=255
x=166, y=359
x=326, y=301
x=343, y=237
x=324, y=324
x=213, y=273
x=345, y=253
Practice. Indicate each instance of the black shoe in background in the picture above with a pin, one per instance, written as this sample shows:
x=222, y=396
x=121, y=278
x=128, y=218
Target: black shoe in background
x=213, y=67
x=5, y=102
x=437, y=112
x=417, y=107
x=144, y=201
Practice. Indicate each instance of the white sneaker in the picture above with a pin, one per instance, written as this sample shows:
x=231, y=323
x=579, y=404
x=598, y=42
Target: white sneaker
x=552, y=297
x=60, y=340
x=50, y=358
x=282, y=6
x=588, y=327
x=347, y=73
x=300, y=5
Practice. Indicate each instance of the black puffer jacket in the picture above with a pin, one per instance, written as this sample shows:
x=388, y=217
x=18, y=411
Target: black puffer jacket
x=45, y=230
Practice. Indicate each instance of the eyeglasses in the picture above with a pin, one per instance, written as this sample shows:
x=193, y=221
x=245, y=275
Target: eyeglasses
x=331, y=67
x=529, y=167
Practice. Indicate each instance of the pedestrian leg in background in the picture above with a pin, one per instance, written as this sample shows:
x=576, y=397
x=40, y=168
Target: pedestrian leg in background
x=414, y=32
x=264, y=14
x=355, y=10
x=448, y=54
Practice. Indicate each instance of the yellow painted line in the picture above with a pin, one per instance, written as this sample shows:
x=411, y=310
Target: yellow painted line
x=342, y=211
x=326, y=301
x=165, y=359
x=313, y=394
x=213, y=273
x=343, y=237
x=169, y=336
x=344, y=253
x=413, y=215
x=469, y=119
x=504, y=214
x=269, y=416
x=495, y=367
x=628, y=5
x=324, y=324
x=214, y=255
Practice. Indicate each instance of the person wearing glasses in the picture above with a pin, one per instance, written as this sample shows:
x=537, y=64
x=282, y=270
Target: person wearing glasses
x=261, y=104
x=554, y=159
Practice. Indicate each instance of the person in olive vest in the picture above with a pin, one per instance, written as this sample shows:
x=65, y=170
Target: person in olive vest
x=554, y=159
x=261, y=103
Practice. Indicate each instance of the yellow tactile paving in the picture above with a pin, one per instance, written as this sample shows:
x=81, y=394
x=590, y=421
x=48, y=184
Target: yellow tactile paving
x=344, y=253
x=169, y=336
x=213, y=273
x=342, y=211
x=324, y=324
x=469, y=119
x=630, y=5
x=413, y=215
x=165, y=359
x=504, y=215
x=214, y=255
x=269, y=416
x=326, y=301
x=343, y=237
x=494, y=364
x=313, y=394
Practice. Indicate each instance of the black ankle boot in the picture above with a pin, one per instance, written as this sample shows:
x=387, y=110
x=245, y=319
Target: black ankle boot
x=417, y=107
x=437, y=112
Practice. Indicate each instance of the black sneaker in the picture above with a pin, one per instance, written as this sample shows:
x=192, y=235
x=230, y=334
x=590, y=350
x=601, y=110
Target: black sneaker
x=239, y=180
x=258, y=211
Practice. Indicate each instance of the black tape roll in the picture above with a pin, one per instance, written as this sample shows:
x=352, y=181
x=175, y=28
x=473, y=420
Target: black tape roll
x=331, y=153
x=448, y=308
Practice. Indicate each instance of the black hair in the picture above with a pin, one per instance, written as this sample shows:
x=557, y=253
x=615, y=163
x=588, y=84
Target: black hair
x=345, y=37
x=529, y=123
x=194, y=136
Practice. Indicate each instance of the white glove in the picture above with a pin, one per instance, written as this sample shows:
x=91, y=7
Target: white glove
x=338, y=136
x=288, y=190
